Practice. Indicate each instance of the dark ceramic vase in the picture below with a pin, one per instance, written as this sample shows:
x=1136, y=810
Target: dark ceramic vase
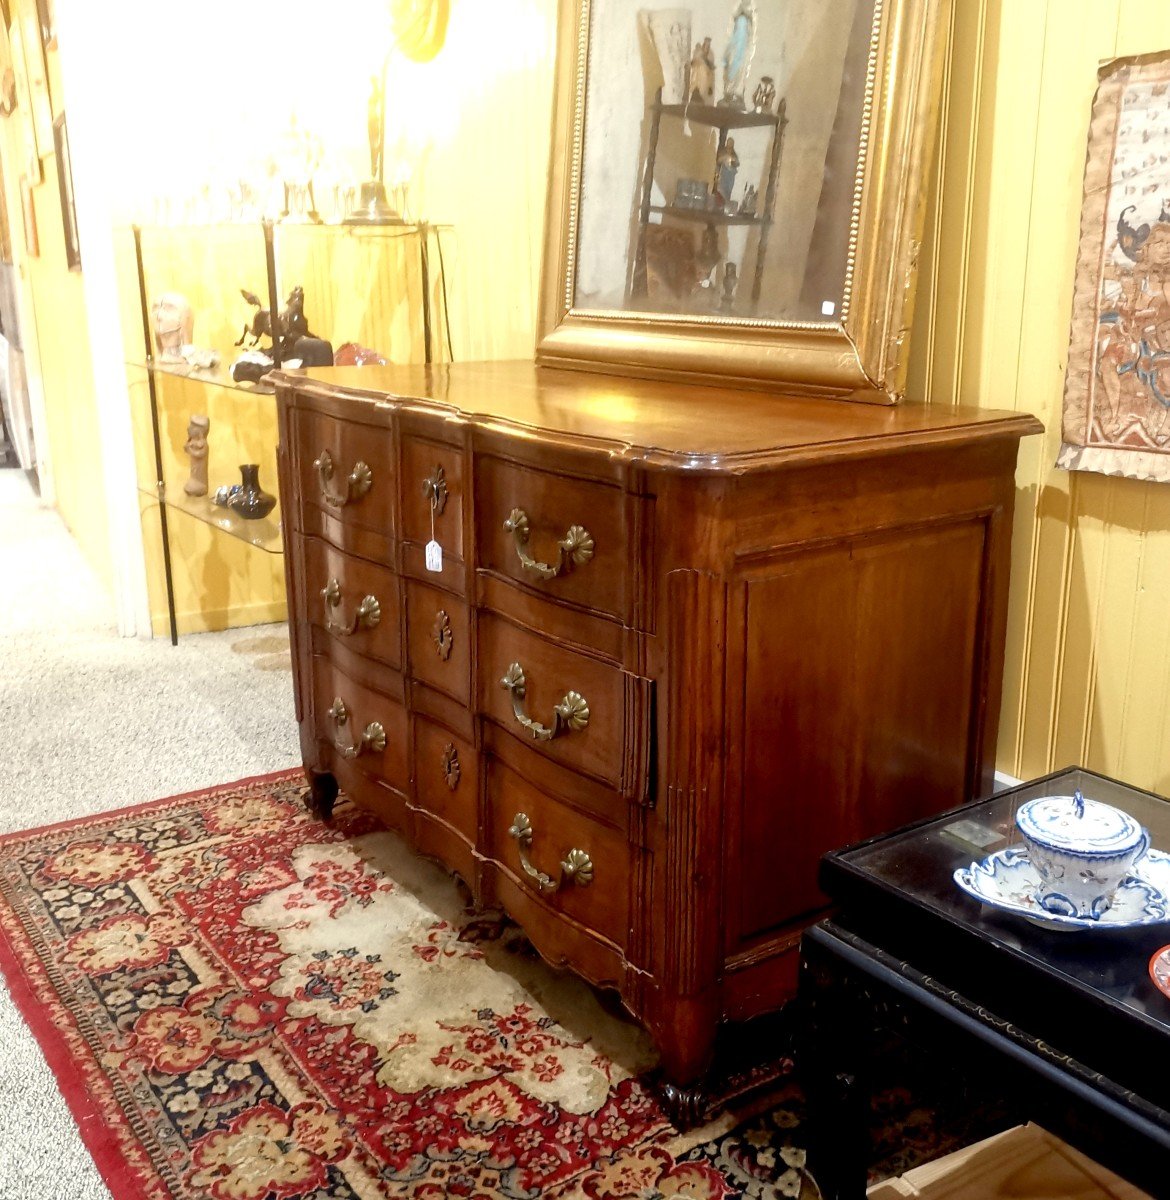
x=251, y=502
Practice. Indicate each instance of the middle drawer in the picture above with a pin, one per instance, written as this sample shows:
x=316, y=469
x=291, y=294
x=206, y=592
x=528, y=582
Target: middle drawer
x=588, y=715
x=354, y=600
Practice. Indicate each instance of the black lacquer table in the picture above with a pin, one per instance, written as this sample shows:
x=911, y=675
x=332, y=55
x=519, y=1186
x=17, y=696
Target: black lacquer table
x=1067, y=1025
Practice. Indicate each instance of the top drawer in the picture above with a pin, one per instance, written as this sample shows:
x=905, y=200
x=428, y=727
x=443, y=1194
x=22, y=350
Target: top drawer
x=346, y=471
x=562, y=536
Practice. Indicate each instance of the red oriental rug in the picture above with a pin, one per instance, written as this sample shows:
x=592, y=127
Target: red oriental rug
x=243, y=1003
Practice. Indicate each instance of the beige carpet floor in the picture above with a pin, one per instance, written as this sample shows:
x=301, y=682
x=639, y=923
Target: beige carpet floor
x=90, y=722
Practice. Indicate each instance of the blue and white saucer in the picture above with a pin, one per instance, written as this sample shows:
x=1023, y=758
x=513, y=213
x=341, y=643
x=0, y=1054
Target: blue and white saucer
x=1007, y=881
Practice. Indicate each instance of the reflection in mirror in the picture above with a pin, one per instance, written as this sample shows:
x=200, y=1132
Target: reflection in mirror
x=720, y=158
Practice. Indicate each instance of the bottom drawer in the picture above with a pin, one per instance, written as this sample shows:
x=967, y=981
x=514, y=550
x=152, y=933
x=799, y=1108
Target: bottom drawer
x=574, y=864
x=364, y=728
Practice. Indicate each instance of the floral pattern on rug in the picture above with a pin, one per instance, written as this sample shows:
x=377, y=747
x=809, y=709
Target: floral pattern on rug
x=249, y=1004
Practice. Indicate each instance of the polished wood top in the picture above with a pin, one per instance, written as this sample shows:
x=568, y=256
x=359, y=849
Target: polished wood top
x=662, y=424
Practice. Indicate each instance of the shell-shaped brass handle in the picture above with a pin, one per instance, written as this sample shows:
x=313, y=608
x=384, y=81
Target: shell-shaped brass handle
x=574, y=549
x=357, y=483
x=368, y=614
x=570, y=716
x=372, y=741
x=576, y=866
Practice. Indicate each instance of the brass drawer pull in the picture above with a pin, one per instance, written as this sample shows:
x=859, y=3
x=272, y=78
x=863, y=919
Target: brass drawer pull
x=359, y=481
x=576, y=866
x=368, y=614
x=373, y=739
x=570, y=716
x=576, y=547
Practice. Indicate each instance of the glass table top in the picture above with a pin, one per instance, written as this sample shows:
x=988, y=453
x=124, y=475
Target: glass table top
x=917, y=865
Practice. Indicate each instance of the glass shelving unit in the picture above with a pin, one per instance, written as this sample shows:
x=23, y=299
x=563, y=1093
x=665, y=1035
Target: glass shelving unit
x=379, y=286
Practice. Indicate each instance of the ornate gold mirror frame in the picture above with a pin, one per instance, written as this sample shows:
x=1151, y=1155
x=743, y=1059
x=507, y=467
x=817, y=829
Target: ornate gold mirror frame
x=859, y=353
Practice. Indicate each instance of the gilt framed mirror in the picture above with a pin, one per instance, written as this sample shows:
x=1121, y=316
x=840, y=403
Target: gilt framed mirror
x=737, y=189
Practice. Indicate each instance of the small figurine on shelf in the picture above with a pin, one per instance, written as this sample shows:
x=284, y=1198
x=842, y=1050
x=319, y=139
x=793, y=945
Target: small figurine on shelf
x=290, y=325
x=350, y=354
x=196, y=448
x=730, y=283
x=174, y=325
x=765, y=95
x=750, y=201
x=701, y=83
x=251, y=501
x=252, y=366
x=200, y=360
x=738, y=55
x=726, y=167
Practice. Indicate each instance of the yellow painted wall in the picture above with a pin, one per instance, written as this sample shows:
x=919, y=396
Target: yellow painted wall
x=53, y=316
x=1088, y=665
x=473, y=129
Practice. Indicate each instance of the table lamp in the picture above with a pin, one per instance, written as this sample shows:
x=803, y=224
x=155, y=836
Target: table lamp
x=419, y=30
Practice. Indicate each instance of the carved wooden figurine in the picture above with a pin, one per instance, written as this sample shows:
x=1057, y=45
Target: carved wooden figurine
x=196, y=448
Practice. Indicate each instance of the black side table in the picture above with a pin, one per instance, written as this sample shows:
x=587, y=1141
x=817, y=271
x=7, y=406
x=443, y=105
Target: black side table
x=1067, y=1025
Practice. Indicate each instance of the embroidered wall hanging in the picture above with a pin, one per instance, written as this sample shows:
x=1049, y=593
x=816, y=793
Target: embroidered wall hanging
x=1116, y=417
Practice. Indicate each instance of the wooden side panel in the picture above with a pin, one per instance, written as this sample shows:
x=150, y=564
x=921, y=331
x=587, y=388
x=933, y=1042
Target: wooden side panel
x=861, y=692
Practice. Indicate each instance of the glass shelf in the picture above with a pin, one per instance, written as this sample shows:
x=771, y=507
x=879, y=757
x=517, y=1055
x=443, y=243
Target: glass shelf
x=705, y=216
x=213, y=377
x=719, y=118
x=264, y=534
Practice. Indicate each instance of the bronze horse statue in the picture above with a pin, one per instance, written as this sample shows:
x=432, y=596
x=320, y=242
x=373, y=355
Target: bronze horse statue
x=290, y=324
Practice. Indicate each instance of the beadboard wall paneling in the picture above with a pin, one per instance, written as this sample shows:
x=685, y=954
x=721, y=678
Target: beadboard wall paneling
x=1088, y=659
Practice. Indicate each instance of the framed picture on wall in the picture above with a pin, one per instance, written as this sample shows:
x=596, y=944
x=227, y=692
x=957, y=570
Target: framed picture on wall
x=38, y=80
x=32, y=243
x=65, y=182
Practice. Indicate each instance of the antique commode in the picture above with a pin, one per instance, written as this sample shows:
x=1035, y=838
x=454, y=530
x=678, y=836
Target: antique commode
x=681, y=641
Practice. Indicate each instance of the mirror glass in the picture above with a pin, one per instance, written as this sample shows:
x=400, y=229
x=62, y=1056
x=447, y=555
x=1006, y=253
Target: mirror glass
x=720, y=157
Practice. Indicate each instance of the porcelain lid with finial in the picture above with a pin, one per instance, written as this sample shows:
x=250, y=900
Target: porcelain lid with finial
x=1079, y=825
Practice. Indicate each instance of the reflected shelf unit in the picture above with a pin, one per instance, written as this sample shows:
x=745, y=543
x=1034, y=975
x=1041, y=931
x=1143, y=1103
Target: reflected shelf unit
x=725, y=120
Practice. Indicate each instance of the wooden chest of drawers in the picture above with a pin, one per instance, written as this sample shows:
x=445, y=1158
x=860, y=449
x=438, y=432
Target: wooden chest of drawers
x=681, y=641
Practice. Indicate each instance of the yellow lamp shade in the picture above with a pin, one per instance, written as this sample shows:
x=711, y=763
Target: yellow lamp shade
x=420, y=27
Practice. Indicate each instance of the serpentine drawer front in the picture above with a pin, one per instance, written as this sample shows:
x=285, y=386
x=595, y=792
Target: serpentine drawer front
x=354, y=601
x=360, y=726
x=564, y=537
x=676, y=643
x=582, y=713
x=346, y=474
x=566, y=859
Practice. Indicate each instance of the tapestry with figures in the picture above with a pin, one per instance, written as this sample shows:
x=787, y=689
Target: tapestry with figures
x=1117, y=390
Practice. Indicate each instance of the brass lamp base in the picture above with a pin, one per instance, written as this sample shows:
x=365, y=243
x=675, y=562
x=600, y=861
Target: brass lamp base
x=373, y=207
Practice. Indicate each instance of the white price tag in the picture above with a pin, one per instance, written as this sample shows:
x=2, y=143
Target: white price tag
x=434, y=556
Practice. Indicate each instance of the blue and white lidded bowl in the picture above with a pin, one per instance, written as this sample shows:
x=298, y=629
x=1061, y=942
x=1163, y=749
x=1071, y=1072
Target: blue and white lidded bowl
x=1081, y=849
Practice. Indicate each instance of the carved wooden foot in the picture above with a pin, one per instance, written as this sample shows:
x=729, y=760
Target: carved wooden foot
x=685, y=1106
x=321, y=793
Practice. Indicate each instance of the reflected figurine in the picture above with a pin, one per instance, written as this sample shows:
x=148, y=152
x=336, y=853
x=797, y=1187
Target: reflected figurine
x=174, y=326
x=701, y=85
x=726, y=167
x=765, y=95
x=750, y=201
x=196, y=448
x=730, y=283
x=738, y=55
